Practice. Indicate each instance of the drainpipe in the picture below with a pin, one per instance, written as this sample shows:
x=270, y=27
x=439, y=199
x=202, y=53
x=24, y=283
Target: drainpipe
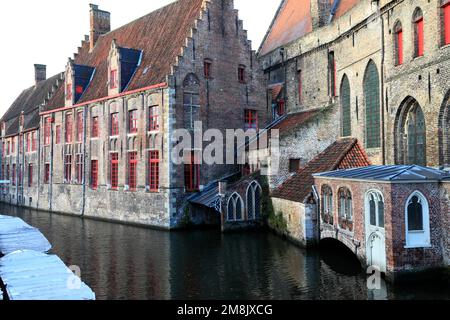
x=24, y=169
x=283, y=61
x=317, y=198
x=383, y=147
x=85, y=112
x=16, y=178
x=38, y=137
x=50, y=186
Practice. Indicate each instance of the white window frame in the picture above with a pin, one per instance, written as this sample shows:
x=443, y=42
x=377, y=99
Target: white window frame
x=418, y=239
x=251, y=190
x=234, y=198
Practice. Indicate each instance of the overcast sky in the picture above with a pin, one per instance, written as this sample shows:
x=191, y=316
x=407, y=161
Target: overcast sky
x=49, y=31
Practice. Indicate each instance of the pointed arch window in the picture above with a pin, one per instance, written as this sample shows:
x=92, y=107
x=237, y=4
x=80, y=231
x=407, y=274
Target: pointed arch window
x=417, y=218
x=398, y=43
x=418, y=33
x=345, y=105
x=254, y=201
x=375, y=203
x=235, y=208
x=372, y=100
x=327, y=204
x=415, y=136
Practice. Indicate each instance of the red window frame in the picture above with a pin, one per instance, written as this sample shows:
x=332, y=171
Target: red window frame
x=113, y=79
x=207, y=64
x=34, y=141
x=30, y=175
x=94, y=174
x=58, y=134
x=153, y=118
x=69, y=128
x=69, y=95
x=132, y=170
x=241, y=74
x=446, y=23
x=13, y=145
x=95, y=132
x=399, y=45
x=132, y=121
x=47, y=131
x=192, y=174
x=20, y=143
x=114, y=124
x=79, y=168
x=280, y=107
x=420, y=36
x=79, y=89
x=153, y=178
x=13, y=176
x=251, y=119
x=47, y=173
x=28, y=138
x=80, y=126
x=114, y=171
x=68, y=168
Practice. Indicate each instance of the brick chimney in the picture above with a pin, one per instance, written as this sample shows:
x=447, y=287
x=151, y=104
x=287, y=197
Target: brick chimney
x=100, y=23
x=40, y=73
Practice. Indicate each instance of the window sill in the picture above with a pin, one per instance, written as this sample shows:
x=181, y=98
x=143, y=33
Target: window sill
x=153, y=131
x=114, y=137
x=418, y=246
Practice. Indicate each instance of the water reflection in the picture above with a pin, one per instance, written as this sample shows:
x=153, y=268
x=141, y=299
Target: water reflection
x=126, y=262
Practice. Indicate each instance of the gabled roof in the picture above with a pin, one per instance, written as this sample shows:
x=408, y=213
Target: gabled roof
x=294, y=120
x=160, y=35
x=342, y=154
x=400, y=173
x=293, y=20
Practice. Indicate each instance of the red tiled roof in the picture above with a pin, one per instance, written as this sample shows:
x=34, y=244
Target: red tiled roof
x=160, y=35
x=276, y=90
x=343, y=154
x=293, y=20
x=294, y=120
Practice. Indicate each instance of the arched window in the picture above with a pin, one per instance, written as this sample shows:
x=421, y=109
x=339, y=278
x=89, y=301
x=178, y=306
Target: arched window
x=345, y=105
x=375, y=205
x=331, y=74
x=327, y=204
x=418, y=33
x=345, y=204
x=417, y=221
x=235, y=208
x=372, y=99
x=191, y=100
x=254, y=201
x=398, y=43
x=444, y=132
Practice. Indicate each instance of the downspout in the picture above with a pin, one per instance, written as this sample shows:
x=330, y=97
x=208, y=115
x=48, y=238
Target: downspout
x=283, y=60
x=24, y=168
x=50, y=186
x=383, y=131
x=317, y=199
x=83, y=206
x=38, y=137
x=16, y=178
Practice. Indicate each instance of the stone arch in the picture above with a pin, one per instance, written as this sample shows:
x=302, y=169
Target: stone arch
x=371, y=88
x=346, y=119
x=410, y=133
x=444, y=132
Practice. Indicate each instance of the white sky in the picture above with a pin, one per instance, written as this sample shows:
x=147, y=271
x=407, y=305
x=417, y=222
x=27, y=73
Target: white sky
x=49, y=32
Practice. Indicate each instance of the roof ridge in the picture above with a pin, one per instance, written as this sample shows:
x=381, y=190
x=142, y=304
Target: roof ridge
x=346, y=151
x=401, y=172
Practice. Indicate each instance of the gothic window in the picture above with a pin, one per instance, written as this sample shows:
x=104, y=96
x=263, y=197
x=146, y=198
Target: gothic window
x=191, y=100
x=375, y=206
x=418, y=33
x=372, y=99
x=235, y=208
x=254, y=201
x=327, y=204
x=417, y=221
x=345, y=105
x=345, y=204
x=332, y=74
x=398, y=43
x=415, y=136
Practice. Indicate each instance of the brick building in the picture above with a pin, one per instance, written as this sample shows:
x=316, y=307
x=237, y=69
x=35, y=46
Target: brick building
x=104, y=130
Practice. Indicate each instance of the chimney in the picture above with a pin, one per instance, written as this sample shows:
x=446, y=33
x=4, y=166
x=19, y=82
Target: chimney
x=100, y=23
x=321, y=11
x=40, y=73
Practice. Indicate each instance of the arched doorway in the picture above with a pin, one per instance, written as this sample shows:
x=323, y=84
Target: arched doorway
x=375, y=230
x=411, y=134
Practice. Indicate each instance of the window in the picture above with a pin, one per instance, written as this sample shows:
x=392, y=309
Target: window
x=114, y=171
x=13, y=178
x=13, y=144
x=153, y=118
x=58, y=134
x=80, y=127
x=280, y=108
x=294, y=165
x=254, y=201
x=251, y=120
x=191, y=107
x=34, y=141
x=415, y=136
x=30, y=175
x=376, y=209
x=20, y=144
x=417, y=221
x=79, y=168
x=94, y=174
x=95, y=130
x=346, y=108
x=69, y=128
x=47, y=131
x=207, y=68
x=47, y=173
x=69, y=91
x=332, y=74
x=446, y=22
x=132, y=170
x=235, y=208
x=300, y=86
x=372, y=98
x=113, y=79
x=153, y=170
x=327, y=204
x=68, y=168
x=418, y=33
x=345, y=204
x=192, y=173
x=133, y=121
x=241, y=74
x=398, y=40
x=114, y=124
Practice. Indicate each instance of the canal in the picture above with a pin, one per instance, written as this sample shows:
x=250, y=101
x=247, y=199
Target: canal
x=127, y=262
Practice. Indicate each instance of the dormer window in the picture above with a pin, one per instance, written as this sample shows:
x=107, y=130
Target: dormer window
x=78, y=78
x=113, y=80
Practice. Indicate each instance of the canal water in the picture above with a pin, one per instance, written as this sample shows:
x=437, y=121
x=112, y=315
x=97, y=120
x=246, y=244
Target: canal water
x=127, y=262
